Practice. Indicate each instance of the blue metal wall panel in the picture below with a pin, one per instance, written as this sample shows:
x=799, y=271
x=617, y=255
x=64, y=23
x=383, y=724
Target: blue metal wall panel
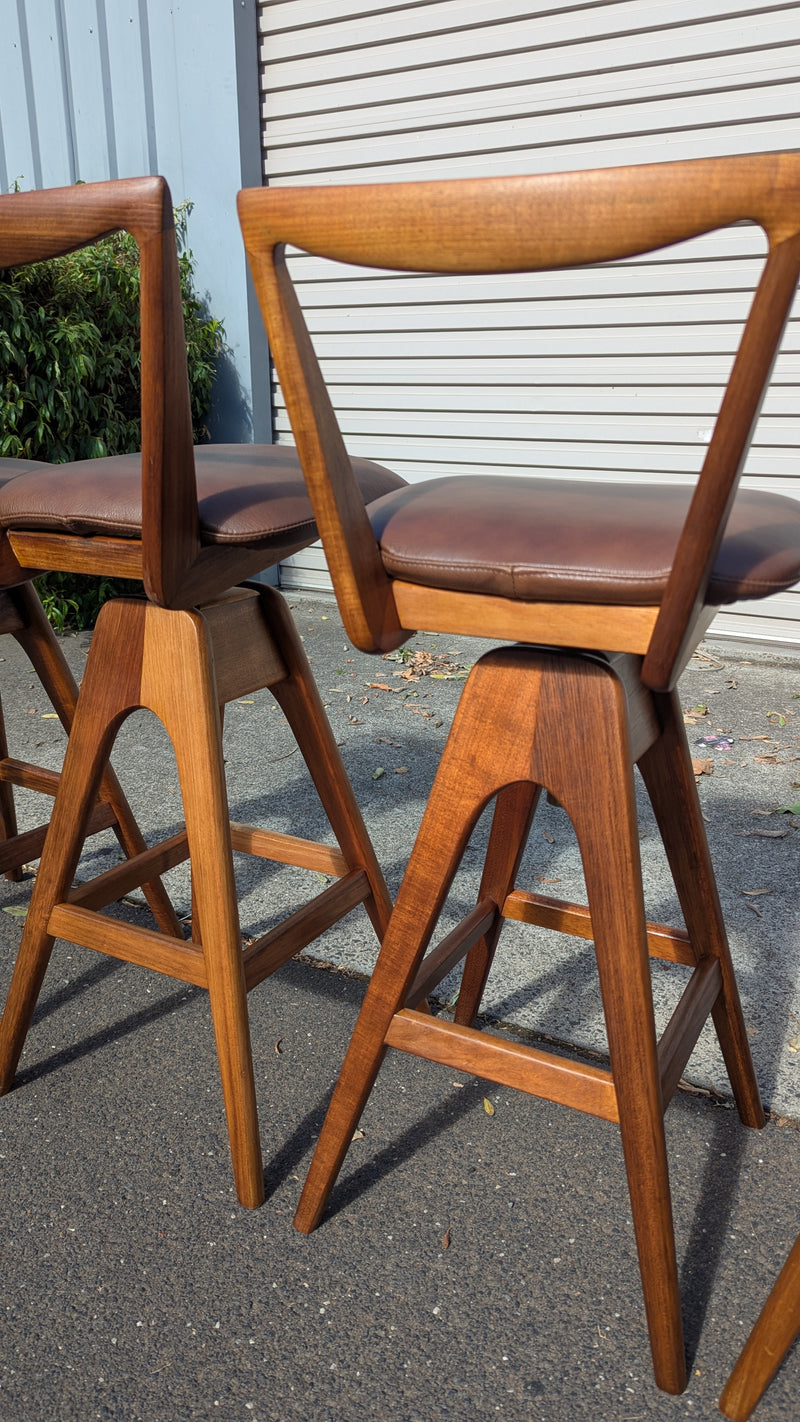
x=97, y=89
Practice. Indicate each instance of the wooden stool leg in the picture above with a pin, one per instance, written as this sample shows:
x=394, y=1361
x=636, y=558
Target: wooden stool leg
x=596, y=790
x=8, y=813
x=102, y=707
x=178, y=685
x=773, y=1334
x=463, y=785
x=299, y=699
x=511, y=826
x=667, y=773
x=40, y=644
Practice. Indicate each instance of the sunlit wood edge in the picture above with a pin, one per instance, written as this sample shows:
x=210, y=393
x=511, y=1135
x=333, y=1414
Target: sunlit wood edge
x=606, y=628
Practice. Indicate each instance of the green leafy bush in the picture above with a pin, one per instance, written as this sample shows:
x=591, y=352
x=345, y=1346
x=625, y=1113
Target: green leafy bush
x=70, y=372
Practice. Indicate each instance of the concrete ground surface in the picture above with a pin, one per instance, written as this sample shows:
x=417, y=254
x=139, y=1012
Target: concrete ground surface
x=472, y=1264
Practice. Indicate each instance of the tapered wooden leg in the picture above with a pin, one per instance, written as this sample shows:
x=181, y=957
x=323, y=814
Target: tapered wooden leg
x=299, y=699
x=773, y=1334
x=511, y=826
x=463, y=785
x=8, y=813
x=178, y=685
x=667, y=772
x=36, y=637
x=194, y=910
x=104, y=703
x=596, y=790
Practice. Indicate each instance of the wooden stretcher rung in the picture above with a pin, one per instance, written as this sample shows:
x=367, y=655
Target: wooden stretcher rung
x=301, y=928
x=585, y=1088
x=672, y=944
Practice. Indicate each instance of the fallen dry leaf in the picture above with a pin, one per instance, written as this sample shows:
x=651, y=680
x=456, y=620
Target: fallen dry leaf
x=446, y=1240
x=767, y=760
x=762, y=834
x=415, y=665
x=278, y=1048
x=487, y=1106
x=754, y=893
x=711, y=1091
x=702, y=767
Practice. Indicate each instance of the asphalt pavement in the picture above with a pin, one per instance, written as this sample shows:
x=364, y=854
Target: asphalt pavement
x=473, y=1263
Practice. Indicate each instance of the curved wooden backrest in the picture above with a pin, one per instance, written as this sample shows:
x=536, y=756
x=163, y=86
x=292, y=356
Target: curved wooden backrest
x=509, y=225
x=49, y=223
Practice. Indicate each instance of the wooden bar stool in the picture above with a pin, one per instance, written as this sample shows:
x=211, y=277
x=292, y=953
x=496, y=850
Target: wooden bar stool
x=627, y=576
x=774, y=1332
x=189, y=523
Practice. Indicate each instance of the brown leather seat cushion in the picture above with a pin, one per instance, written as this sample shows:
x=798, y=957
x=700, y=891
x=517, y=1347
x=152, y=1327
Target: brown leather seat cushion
x=12, y=468
x=551, y=540
x=250, y=495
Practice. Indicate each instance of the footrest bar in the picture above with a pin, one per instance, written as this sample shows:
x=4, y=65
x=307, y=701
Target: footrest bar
x=296, y=932
x=288, y=849
x=553, y=1078
x=115, y=883
x=672, y=944
x=170, y=956
x=451, y=950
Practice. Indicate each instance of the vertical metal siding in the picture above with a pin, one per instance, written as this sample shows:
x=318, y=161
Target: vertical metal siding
x=97, y=89
x=593, y=372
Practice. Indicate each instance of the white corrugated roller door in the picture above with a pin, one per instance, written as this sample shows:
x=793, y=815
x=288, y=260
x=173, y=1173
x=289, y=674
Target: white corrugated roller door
x=595, y=372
